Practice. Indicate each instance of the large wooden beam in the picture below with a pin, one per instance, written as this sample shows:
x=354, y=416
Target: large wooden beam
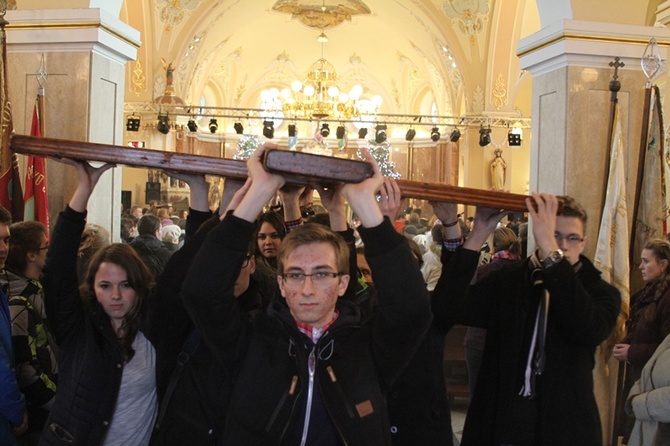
x=297, y=167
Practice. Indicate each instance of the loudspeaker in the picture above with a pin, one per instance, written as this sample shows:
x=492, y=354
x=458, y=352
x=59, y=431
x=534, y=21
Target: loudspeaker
x=153, y=192
x=126, y=199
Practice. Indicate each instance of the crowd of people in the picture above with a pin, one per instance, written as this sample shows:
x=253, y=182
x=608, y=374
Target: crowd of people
x=248, y=326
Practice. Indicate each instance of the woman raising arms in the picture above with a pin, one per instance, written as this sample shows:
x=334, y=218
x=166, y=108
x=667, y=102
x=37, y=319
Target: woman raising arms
x=106, y=388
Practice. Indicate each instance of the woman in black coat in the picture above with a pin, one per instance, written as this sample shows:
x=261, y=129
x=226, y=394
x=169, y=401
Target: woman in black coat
x=649, y=321
x=107, y=387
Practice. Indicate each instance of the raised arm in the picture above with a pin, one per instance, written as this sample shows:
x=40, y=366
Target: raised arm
x=403, y=314
x=207, y=291
x=61, y=285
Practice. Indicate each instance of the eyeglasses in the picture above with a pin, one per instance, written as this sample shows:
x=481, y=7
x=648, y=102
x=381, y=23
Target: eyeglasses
x=570, y=238
x=319, y=279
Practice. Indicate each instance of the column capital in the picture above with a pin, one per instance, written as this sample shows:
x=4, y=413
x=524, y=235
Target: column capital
x=66, y=30
x=588, y=44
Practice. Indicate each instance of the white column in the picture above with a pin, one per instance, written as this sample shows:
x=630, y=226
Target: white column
x=85, y=51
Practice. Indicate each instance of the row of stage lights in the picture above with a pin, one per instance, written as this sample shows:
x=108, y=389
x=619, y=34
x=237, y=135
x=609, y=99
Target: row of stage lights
x=513, y=137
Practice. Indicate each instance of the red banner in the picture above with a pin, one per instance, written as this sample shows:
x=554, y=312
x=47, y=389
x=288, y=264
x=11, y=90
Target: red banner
x=36, y=203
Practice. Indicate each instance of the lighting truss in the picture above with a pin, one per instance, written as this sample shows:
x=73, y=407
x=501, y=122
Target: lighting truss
x=146, y=108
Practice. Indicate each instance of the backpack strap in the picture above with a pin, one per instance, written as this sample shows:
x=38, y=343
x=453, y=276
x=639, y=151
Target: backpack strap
x=188, y=349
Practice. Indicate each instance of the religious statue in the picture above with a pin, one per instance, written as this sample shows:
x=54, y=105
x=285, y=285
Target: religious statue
x=498, y=170
x=169, y=71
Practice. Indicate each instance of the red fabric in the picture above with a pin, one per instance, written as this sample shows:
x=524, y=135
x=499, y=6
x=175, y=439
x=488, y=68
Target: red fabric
x=36, y=203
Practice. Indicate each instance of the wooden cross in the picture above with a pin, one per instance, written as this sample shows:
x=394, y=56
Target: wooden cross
x=616, y=64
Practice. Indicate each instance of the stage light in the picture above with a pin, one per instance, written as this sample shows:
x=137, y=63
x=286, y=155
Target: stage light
x=133, y=123
x=484, y=136
x=192, y=126
x=411, y=133
x=340, y=132
x=380, y=133
x=239, y=128
x=514, y=137
x=269, y=129
x=362, y=133
x=455, y=135
x=213, y=125
x=435, y=134
x=163, y=125
x=325, y=130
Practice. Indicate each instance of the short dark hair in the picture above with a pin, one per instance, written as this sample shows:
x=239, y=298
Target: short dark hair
x=5, y=216
x=311, y=233
x=25, y=239
x=570, y=208
x=148, y=224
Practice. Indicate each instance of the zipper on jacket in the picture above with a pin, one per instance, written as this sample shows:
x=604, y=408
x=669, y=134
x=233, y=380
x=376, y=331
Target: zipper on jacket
x=311, y=364
x=289, y=392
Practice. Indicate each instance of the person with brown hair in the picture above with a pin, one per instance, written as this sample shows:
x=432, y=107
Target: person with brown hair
x=309, y=370
x=544, y=318
x=106, y=382
x=34, y=348
x=649, y=321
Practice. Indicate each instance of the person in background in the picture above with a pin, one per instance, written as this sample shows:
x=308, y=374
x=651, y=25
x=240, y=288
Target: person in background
x=13, y=415
x=149, y=247
x=34, y=348
x=649, y=321
x=648, y=400
x=137, y=211
x=93, y=239
x=506, y=248
x=171, y=237
x=106, y=382
x=269, y=235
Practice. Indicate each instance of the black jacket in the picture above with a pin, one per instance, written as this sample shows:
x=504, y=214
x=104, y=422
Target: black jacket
x=152, y=251
x=196, y=410
x=355, y=361
x=582, y=313
x=90, y=358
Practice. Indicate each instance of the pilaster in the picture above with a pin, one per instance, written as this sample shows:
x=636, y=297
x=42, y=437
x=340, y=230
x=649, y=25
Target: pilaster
x=85, y=51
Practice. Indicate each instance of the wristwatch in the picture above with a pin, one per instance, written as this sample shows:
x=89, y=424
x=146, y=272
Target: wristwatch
x=552, y=259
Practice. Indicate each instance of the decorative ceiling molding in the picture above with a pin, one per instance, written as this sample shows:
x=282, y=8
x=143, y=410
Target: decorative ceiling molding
x=322, y=15
x=172, y=12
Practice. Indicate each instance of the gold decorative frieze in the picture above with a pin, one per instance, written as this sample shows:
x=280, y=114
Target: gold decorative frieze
x=499, y=93
x=138, y=80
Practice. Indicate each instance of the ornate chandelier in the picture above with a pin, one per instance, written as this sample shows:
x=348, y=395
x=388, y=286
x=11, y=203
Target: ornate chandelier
x=318, y=95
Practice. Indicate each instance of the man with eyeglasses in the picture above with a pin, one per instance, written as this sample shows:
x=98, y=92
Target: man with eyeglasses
x=544, y=317
x=309, y=370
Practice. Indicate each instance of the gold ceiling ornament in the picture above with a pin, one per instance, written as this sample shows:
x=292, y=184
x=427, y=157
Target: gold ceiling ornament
x=499, y=93
x=172, y=12
x=322, y=15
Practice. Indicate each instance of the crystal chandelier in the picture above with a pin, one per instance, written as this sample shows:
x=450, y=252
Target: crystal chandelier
x=318, y=95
